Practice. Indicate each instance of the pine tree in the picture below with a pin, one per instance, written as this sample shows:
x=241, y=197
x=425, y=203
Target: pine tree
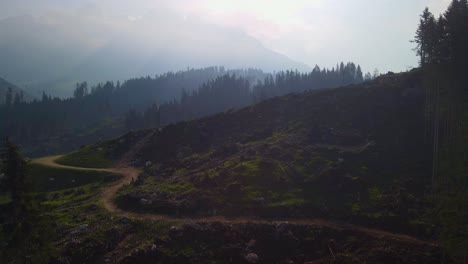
x=425, y=37
x=359, y=78
x=45, y=98
x=24, y=233
x=456, y=22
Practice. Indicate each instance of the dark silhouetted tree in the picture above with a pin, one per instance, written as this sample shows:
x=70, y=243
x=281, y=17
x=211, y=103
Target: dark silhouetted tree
x=81, y=90
x=425, y=38
x=24, y=233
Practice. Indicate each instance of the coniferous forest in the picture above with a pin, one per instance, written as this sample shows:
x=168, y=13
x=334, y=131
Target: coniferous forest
x=53, y=125
x=442, y=48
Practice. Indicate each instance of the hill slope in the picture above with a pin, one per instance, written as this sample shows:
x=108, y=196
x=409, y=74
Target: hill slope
x=352, y=152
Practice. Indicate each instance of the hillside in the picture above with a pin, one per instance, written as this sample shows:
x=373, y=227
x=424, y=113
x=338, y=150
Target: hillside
x=110, y=109
x=327, y=176
x=353, y=153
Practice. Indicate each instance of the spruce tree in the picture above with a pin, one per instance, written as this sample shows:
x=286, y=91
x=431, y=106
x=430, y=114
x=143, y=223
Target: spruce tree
x=425, y=37
x=24, y=232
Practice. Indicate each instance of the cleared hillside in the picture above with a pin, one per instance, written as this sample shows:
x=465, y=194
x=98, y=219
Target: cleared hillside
x=353, y=152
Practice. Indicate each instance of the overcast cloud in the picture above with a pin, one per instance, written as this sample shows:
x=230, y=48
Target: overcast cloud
x=374, y=33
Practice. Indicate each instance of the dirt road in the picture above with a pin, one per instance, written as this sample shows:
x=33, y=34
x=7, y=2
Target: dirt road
x=109, y=192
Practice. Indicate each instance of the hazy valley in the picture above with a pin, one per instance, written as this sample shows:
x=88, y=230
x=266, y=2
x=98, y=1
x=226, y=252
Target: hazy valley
x=125, y=143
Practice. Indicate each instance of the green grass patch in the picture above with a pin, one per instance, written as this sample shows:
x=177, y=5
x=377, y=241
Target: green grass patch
x=75, y=206
x=175, y=188
x=170, y=188
x=5, y=198
x=294, y=202
x=260, y=173
x=88, y=157
x=45, y=179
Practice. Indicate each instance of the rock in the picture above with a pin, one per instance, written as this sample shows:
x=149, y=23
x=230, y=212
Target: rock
x=73, y=243
x=251, y=243
x=99, y=149
x=284, y=234
x=193, y=226
x=148, y=163
x=79, y=229
x=55, y=196
x=79, y=191
x=175, y=231
x=281, y=228
x=259, y=200
x=153, y=247
x=145, y=201
x=251, y=258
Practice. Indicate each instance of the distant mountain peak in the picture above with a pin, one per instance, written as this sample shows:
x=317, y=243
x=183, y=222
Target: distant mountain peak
x=98, y=48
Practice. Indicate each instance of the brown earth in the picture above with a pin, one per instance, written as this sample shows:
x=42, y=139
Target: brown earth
x=130, y=173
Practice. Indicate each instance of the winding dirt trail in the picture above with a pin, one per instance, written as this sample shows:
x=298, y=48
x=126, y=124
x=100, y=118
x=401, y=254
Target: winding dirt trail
x=129, y=173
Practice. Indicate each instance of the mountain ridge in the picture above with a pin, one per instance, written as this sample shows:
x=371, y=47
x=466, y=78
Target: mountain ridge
x=144, y=47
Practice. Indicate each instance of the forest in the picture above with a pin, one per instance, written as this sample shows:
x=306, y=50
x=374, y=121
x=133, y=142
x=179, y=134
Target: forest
x=53, y=125
x=441, y=44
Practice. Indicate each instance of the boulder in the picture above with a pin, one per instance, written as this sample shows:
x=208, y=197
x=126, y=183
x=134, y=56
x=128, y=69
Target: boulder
x=251, y=243
x=251, y=258
x=145, y=201
x=79, y=229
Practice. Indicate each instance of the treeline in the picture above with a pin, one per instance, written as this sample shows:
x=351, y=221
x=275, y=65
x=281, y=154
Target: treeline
x=105, y=110
x=222, y=93
x=442, y=46
x=293, y=81
x=444, y=40
x=231, y=92
x=13, y=98
x=55, y=125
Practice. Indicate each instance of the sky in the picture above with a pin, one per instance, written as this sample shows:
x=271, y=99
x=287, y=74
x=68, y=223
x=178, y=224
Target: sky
x=373, y=33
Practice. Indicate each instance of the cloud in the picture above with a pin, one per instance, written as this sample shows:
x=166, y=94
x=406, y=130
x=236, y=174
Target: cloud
x=374, y=33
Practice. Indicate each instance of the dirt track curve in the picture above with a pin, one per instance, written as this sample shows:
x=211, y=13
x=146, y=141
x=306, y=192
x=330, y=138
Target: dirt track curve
x=109, y=192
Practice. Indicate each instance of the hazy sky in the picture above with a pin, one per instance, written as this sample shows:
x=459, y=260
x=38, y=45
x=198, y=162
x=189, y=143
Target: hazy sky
x=374, y=33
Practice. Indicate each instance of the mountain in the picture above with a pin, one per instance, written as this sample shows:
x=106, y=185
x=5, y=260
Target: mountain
x=4, y=85
x=89, y=46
